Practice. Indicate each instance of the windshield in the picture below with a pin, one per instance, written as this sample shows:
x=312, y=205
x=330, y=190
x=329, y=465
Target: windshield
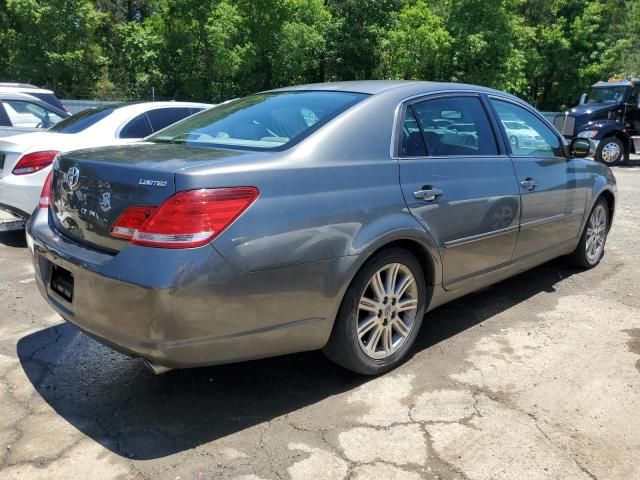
x=83, y=120
x=265, y=121
x=607, y=94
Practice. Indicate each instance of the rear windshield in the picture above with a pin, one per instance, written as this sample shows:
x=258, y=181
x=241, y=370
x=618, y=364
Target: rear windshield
x=83, y=120
x=265, y=121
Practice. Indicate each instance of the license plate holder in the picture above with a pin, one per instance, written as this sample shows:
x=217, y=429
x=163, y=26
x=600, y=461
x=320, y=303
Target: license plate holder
x=62, y=282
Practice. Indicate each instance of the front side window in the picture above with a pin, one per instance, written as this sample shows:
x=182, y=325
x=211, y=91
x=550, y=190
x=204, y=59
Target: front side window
x=527, y=134
x=634, y=96
x=28, y=114
x=265, y=121
x=455, y=126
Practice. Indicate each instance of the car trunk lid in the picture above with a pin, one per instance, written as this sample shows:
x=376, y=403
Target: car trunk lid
x=91, y=188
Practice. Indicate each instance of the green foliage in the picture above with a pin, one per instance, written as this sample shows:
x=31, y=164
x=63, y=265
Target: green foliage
x=546, y=51
x=417, y=47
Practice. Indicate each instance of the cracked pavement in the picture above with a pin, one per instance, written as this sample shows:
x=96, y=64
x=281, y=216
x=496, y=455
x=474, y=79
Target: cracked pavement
x=537, y=377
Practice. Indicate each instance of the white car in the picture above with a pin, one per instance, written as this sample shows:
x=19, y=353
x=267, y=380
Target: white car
x=522, y=138
x=25, y=160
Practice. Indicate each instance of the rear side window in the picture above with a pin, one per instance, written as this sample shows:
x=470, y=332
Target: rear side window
x=4, y=119
x=526, y=133
x=82, y=120
x=139, y=127
x=412, y=141
x=455, y=126
x=163, y=117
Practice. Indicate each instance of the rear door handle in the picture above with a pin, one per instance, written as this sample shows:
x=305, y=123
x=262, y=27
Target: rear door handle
x=528, y=183
x=428, y=193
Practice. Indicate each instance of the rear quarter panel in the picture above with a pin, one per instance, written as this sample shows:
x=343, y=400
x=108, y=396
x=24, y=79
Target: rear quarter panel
x=336, y=194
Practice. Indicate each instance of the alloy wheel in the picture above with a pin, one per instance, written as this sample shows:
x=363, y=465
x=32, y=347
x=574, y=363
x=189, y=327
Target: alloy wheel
x=387, y=311
x=596, y=234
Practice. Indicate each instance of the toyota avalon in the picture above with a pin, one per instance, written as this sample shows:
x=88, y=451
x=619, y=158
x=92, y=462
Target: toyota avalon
x=329, y=216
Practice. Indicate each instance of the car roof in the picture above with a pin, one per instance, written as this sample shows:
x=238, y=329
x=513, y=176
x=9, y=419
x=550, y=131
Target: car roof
x=622, y=83
x=23, y=87
x=374, y=87
x=20, y=96
x=147, y=106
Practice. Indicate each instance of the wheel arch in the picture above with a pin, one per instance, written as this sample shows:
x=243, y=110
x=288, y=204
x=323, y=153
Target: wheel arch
x=408, y=240
x=611, y=202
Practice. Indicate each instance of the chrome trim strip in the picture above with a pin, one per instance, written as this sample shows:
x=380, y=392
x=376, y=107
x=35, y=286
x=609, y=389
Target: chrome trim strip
x=480, y=236
x=542, y=221
x=555, y=218
x=499, y=95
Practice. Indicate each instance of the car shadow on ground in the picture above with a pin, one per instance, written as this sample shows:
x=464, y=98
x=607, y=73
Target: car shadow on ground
x=14, y=238
x=117, y=402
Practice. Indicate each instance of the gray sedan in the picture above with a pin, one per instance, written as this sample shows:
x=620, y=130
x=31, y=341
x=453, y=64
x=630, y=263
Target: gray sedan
x=330, y=216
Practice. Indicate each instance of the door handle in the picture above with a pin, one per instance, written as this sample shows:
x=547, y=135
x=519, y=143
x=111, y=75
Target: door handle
x=528, y=183
x=428, y=193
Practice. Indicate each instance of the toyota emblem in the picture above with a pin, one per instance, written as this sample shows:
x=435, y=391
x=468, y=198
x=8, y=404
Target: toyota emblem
x=73, y=177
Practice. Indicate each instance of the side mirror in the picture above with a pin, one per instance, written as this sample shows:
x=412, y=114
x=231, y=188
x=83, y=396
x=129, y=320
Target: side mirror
x=581, y=148
x=583, y=99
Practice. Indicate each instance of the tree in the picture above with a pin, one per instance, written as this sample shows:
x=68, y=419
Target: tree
x=418, y=47
x=53, y=43
x=355, y=36
x=300, y=47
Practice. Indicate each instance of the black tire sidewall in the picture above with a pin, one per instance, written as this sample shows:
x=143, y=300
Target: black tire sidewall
x=581, y=251
x=343, y=346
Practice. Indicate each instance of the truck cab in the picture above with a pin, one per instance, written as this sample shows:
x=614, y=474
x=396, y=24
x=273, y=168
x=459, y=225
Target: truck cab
x=610, y=116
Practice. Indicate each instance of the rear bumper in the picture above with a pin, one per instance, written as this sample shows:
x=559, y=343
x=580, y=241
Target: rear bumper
x=20, y=193
x=187, y=308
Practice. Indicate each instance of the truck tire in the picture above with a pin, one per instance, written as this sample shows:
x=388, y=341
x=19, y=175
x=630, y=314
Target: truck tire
x=610, y=151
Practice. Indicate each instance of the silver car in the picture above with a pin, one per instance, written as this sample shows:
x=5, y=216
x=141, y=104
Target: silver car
x=330, y=216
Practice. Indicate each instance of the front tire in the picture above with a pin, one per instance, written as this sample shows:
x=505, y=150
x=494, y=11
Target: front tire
x=610, y=151
x=380, y=315
x=590, y=249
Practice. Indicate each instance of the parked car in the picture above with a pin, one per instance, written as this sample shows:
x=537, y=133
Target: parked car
x=43, y=94
x=20, y=113
x=25, y=160
x=610, y=116
x=522, y=137
x=312, y=217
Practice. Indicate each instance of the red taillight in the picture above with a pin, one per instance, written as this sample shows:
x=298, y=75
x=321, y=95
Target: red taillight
x=187, y=219
x=130, y=221
x=45, y=195
x=34, y=162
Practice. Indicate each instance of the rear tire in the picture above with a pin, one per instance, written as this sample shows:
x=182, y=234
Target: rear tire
x=380, y=315
x=610, y=151
x=590, y=249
